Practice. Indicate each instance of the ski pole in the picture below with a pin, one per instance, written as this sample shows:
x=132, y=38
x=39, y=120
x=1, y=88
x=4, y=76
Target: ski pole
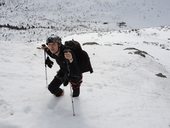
x=72, y=101
x=45, y=56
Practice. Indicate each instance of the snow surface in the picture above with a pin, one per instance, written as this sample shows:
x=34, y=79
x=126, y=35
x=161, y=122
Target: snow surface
x=124, y=90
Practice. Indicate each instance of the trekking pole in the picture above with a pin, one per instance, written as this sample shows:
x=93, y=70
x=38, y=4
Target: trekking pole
x=45, y=56
x=72, y=101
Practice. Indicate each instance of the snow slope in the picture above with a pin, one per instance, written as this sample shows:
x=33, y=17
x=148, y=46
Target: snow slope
x=123, y=91
x=41, y=17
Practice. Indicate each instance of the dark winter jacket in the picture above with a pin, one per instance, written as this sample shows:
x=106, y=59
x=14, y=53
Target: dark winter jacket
x=69, y=70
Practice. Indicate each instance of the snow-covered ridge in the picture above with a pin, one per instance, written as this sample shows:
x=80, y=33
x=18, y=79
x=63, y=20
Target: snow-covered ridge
x=76, y=16
x=51, y=12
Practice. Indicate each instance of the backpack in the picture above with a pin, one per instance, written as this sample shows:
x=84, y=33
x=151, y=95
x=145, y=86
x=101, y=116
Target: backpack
x=81, y=56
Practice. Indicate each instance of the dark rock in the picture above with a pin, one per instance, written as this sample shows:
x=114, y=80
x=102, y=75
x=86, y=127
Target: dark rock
x=117, y=44
x=105, y=23
x=161, y=75
x=137, y=51
x=90, y=43
x=122, y=24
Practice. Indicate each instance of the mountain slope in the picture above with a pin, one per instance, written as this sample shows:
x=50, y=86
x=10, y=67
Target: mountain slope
x=67, y=17
x=124, y=89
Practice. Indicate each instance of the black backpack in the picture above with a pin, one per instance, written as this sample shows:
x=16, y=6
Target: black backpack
x=81, y=56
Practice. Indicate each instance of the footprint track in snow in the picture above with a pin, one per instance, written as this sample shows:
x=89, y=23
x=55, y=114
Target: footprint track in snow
x=5, y=109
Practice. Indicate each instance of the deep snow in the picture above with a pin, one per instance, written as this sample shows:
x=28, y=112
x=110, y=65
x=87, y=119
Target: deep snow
x=122, y=92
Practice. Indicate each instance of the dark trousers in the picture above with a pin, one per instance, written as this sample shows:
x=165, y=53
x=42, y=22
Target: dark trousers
x=54, y=86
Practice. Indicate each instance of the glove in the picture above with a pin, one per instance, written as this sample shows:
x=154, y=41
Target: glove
x=48, y=62
x=44, y=47
x=65, y=79
x=65, y=83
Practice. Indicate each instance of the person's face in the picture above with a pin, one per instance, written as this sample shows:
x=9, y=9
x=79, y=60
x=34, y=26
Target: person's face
x=54, y=47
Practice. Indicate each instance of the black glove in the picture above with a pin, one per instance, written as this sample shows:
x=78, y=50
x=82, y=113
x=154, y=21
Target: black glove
x=48, y=62
x=44, y=47
x=65, y=79
x=65, y=83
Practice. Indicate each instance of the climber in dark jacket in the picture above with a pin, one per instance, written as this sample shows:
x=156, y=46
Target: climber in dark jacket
x=69, y=70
